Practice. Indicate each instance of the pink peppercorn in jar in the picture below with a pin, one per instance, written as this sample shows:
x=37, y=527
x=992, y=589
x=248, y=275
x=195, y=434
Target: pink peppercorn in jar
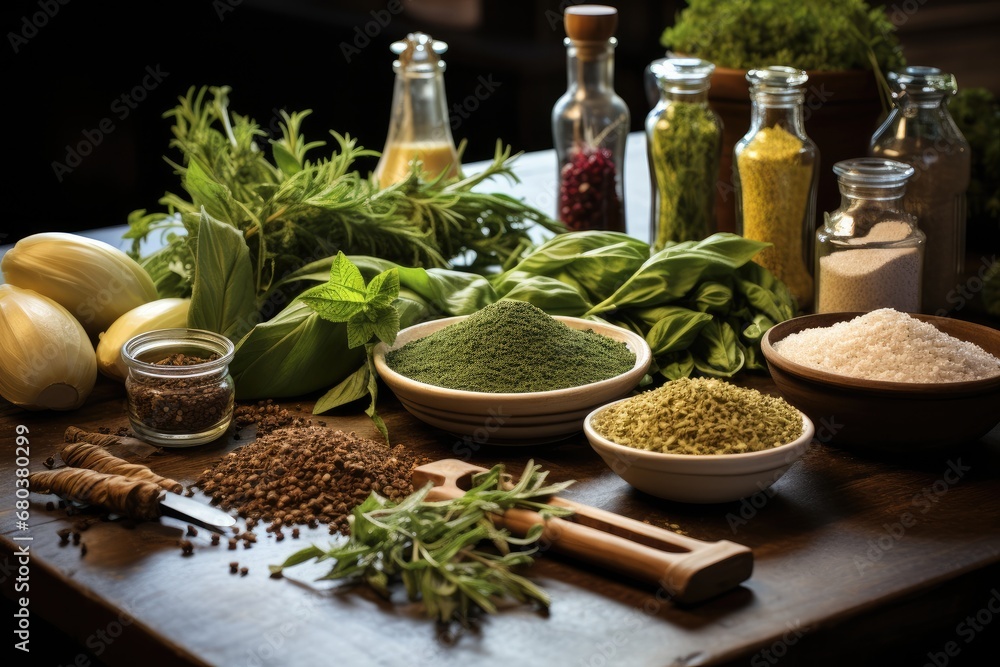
x=180, y=392
x=590, y=124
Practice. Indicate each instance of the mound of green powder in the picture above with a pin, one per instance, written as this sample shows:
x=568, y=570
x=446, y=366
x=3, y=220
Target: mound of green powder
x=700, y=416
x=511, y=347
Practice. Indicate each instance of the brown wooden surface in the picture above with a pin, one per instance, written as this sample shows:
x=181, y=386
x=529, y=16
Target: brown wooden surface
x=819, y=572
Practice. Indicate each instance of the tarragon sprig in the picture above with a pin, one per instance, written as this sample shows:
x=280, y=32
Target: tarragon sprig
x=448, y=554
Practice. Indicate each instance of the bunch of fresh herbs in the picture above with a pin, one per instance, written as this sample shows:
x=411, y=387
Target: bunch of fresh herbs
x=808, y=34
x=448, y=554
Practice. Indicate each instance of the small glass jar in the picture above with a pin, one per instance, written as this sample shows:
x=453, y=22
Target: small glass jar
x=590, y=124
x=776, y=174
x=869, y=252
x=920, y=132
x=684, y=147
x=180, y=392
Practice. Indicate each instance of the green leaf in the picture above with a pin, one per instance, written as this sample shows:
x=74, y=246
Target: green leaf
x=716, y=351
x=224, y=298
x=209, y=194
x=371, y=411
x=552, y=295
x=352, y=388
x=344, y=273
x=383, y=289
x=675, y=365
x=333, y=302
x=676, y=330
x=294, y=353
x=287, y=162
x=360, y=329
x=386, y=324
x=713, y=297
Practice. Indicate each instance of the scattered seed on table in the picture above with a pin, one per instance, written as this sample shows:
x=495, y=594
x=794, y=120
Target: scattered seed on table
x=191, y=531
x=83, y=550
x=215, y=539
x=63, y=534
x=234, y=567
x=244, y=571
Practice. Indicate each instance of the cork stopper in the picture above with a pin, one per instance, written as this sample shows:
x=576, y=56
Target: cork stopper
x=589, y=27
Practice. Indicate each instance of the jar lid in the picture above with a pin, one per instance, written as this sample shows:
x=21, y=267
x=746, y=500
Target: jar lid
x=419, y=52
x=872, y=171
x=919, y=79
x=675, y=74
x=777, y=79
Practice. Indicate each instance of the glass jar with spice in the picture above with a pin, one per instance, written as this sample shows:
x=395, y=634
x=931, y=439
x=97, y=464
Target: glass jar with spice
x=419, y=127
x=920, y=132
x=776, y=174
x=869, y=252
x=590, y=124
x=684, y=144
x=180, y=392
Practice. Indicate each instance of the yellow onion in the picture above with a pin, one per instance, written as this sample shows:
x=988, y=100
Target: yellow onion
x=46, y=358
x=160, y=314
x=96, y=282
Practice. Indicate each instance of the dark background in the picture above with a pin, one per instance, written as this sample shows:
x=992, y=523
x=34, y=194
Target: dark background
x=64, y=80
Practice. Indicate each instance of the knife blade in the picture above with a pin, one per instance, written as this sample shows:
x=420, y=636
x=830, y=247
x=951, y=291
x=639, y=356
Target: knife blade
x=189, y=509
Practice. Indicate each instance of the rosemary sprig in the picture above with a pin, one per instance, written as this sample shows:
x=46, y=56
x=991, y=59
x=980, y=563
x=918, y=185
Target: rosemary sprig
x=293, y=208
x=448, y=554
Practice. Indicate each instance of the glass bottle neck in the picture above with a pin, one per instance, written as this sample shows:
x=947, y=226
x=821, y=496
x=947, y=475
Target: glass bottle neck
x=419, y=109
x=784, y=110
x=694, y=96
x=888, y=197
x=591, y=72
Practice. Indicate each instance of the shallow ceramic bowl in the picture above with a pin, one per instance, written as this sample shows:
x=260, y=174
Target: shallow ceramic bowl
x=688, y=478
x=478, y=418
x=882, y=416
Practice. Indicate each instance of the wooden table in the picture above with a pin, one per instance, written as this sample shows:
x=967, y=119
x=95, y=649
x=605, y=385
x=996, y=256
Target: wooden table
x=858, y=560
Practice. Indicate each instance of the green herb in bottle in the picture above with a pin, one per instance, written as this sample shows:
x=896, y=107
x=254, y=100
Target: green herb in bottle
x=511, y=347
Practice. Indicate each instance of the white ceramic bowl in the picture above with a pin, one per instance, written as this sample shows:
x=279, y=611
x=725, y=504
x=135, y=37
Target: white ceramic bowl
x=690, y=478
x=511, y=418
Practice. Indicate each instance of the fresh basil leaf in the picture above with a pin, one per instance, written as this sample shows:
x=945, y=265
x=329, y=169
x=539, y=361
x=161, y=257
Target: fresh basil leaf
x=336, y=303
x=712, y=297
x=552, y=295
x=676, y=365
x=223, y=298
x=716, y=350
x=343, y=272
x=678, y=328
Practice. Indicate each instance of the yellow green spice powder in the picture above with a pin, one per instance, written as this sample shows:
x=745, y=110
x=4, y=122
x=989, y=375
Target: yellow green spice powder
x=700, y=416
x=511, y=347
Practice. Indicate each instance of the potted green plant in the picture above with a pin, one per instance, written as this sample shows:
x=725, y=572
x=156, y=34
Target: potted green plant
x=846, y=46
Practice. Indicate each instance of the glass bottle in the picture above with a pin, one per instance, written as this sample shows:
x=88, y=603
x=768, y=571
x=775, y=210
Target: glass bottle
x=180, y=392
x=776, y=170
x=684, y=145
x=920, y=132
x=869, y=252
x=590, y=124
x=419, y=126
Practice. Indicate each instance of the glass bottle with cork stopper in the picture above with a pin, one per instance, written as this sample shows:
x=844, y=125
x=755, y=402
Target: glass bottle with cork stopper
x=684, y=146
x=776, y=174
x=419, y=127
x=590, y=124
x=869, y=252
x=920, y=132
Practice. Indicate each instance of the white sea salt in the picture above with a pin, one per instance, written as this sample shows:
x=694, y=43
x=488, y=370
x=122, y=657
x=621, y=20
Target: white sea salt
x=889, y=345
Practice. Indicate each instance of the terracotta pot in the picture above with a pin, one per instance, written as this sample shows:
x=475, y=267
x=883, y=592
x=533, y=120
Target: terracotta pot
x=842, y=111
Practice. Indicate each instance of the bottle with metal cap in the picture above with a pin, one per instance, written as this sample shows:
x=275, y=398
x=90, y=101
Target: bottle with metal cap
x=419, y=128
x=920, y=132
x=590, y=124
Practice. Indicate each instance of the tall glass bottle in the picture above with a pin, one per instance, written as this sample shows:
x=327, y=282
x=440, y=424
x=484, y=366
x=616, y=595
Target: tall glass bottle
x=590, y=124
x=684, y=145
x=776, y=173
x=920, y=132
x=419, y=127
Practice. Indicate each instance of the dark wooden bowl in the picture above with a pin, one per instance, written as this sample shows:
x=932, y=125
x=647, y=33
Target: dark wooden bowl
x=885, y=416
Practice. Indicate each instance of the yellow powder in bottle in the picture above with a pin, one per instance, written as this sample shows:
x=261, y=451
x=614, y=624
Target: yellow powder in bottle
x=775, y=190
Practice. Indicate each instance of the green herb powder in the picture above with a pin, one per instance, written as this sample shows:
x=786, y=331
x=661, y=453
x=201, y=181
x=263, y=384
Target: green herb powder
x=511, y=347
x=700, y=416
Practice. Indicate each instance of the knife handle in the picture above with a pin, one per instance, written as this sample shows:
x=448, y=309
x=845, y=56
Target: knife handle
x=136, y=499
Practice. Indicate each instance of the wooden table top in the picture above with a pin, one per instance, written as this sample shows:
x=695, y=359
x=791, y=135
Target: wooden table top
x=843, y=543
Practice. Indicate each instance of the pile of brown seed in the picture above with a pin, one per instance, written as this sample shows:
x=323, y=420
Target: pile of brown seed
x=308, y=475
